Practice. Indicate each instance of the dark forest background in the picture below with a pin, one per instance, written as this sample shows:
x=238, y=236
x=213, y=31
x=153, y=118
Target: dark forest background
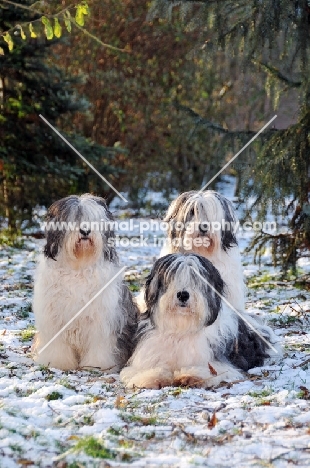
x=184, y=86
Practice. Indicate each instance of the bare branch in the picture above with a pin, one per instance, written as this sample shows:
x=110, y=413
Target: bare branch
x=201, y=121
x=275, y=72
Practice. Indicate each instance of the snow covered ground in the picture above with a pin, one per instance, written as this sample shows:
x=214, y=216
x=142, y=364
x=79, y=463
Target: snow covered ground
x=50, y=418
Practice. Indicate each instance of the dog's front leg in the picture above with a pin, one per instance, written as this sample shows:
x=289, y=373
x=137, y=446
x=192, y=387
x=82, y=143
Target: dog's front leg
x=99, y=350
x=57, y=354
x=201, y=376
x=157, y=377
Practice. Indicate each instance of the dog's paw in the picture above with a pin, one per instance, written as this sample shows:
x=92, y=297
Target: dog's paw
x=186, y=380
x=157, y=383
x=152, y=378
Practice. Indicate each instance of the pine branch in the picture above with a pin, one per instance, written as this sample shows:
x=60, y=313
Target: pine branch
x=39, y=12
x=194, y=1
x=275, y=72
x=201, y=121
x=18, y=5
x=198, y=119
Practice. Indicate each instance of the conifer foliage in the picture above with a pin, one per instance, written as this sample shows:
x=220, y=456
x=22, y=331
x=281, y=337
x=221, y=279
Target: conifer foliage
x=36, y=167
x=273, y=37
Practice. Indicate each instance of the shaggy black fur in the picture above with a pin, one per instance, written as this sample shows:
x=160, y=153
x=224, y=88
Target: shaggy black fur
x=125, y=341
x=248, y=350
x=228, y=238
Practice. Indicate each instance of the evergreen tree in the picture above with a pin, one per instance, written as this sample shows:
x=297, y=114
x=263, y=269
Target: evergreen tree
x=36, y=166
x=272, y=37
x=135, y=96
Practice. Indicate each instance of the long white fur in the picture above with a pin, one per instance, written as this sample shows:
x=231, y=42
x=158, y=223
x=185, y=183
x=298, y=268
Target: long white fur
x=208, y=208
x=163, y=354
x=63, y=287
x=180, y=348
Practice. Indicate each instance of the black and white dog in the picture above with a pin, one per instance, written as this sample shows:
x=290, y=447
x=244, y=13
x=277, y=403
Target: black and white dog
x=205, y=223
x=79, y=260
x=189, y=336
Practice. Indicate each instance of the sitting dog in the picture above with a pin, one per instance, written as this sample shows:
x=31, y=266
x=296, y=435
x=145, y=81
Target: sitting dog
x=189, y=336
x=205, y=223
x=79, y=262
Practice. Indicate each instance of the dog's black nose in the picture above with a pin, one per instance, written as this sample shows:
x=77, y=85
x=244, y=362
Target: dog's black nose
x=84, y=232
x=203, y=228
x=183, y=296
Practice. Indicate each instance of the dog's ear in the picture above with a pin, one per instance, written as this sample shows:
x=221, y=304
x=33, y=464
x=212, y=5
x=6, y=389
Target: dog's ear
x=228, y=237
x=152, y=287
x=109, y=252
x=214, y=288
x=213, y=296
x=101, y=201
x=156, y=280
x=174, y=213
x=54, y=234
x=53, y=243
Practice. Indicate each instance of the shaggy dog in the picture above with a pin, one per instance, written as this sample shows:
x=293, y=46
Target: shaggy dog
x=189, y=336
x=79, y=260
x=205, y=223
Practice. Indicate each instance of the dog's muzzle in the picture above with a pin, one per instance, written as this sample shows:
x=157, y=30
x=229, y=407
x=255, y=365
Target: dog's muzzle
x=183, y=297
x=203, y=229
x=85, y=233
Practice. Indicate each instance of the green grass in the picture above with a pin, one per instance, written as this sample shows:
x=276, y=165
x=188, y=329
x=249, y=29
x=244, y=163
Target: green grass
x=10, y=239
x=134, y=286
x=27, y=334
x=303, y=394
x=176, y=391
x=54, y=396
x=264, y=277
x=93, y=447
x=263, y=393
x=285, y=320
x=143, y=420
x=65, y=383
x=115, y=431
x=16, y=448
x=24, y=312
x=88, y=420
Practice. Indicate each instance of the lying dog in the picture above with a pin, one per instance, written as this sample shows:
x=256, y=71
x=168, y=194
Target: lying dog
x=189, y=335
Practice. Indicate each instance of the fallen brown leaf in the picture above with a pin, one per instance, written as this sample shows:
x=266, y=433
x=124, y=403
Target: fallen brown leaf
x=213, y=421
x=120, y=402
x=73, y=437
x=212, y=370
x=305, y=393
x=98, y=398
x=25, y=462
